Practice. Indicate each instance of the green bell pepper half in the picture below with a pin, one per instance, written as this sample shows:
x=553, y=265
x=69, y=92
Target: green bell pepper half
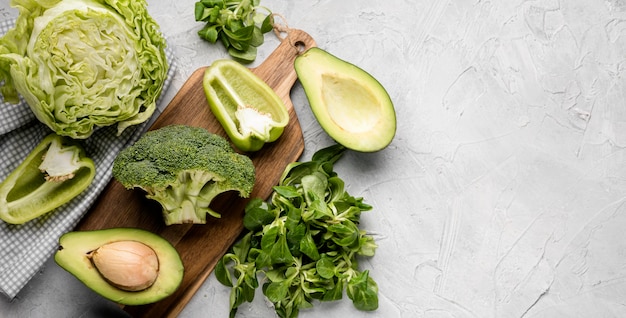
x=53, y=173
x=248, y=109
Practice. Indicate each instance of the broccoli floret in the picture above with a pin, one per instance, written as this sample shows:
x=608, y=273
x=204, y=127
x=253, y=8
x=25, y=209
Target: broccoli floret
x=184, y=168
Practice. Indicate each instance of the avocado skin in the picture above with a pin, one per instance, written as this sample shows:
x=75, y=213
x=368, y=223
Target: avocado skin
x=75, y=246
x=349, y=103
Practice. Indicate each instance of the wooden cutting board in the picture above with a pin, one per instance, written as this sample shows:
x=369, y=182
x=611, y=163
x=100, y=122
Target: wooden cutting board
x=202, y=245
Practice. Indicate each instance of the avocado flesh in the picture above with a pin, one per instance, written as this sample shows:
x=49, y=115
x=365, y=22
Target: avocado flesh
x=73, y=256
x=350, y=105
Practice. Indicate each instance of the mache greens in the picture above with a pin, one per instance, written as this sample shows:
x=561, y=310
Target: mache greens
x=238, y=24
x=305, y=241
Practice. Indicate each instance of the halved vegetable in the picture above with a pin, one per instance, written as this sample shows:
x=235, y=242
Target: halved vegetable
x=53, y=173
x=77, y=250
x=350, y=104
x=248, y=109
x=80, y=65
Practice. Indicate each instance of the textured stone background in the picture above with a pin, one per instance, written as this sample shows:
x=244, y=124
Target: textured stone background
x=503, y=192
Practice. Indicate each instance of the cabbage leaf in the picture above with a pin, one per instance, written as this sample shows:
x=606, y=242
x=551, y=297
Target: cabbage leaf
x=83, y=64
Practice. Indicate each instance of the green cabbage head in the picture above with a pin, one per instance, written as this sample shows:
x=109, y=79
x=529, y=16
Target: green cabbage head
x=83, y=64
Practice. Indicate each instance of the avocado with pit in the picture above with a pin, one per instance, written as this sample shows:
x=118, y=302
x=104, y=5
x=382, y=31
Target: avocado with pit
x=348, y=102
x=126, y=265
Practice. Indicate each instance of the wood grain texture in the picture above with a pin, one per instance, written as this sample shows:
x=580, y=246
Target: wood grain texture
x=201, y=246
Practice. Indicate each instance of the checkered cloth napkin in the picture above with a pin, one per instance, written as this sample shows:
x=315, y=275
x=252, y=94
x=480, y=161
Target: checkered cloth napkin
x=25, y=248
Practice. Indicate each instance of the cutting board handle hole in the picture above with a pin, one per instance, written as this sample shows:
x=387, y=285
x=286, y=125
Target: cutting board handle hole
x=300, y=46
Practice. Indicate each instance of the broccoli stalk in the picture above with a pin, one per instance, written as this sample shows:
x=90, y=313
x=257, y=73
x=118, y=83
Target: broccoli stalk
x=187, y=200
x=184, y=168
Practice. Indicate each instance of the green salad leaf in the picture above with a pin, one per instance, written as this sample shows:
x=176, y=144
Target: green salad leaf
x=83, y=64
x=238, y=24
x=303, y=244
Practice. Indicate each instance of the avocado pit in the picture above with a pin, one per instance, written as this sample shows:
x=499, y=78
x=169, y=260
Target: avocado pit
x=127, y=265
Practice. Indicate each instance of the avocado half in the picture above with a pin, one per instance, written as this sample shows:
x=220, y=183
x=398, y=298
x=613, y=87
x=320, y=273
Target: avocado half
x=74, y=248
x=349, y=103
